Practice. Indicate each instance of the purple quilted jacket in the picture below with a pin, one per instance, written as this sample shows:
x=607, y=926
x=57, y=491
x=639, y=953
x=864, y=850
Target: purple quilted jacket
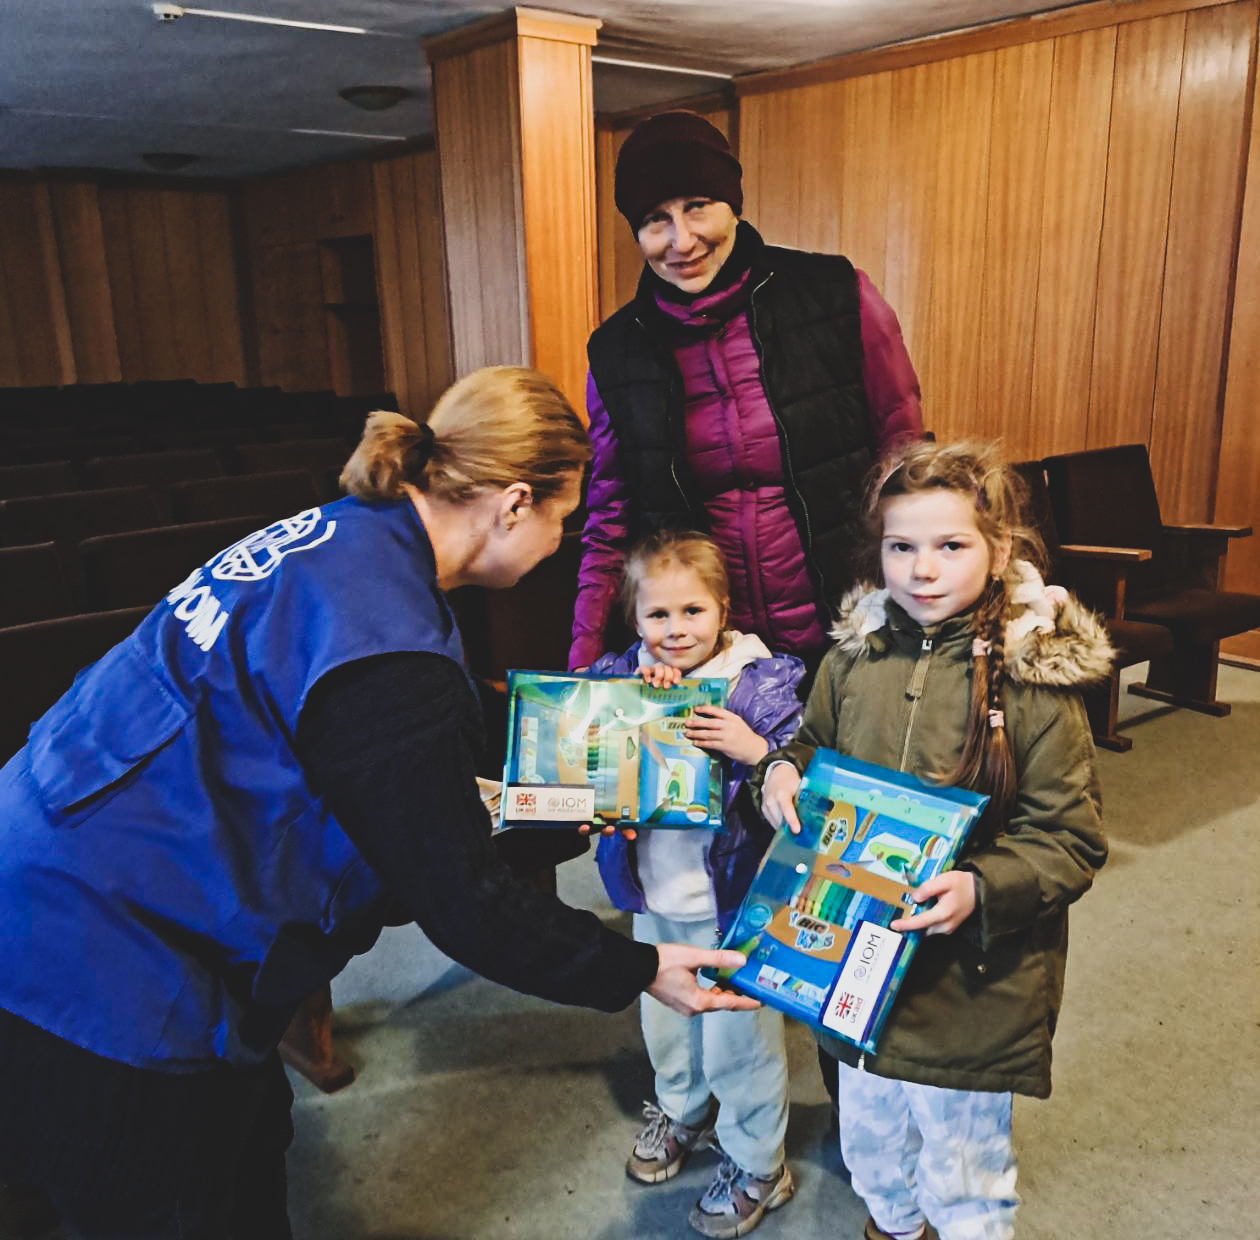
x=734, y=452
x=765, y=697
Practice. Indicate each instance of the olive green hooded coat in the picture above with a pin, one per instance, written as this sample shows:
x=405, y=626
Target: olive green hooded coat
x=977, y=1009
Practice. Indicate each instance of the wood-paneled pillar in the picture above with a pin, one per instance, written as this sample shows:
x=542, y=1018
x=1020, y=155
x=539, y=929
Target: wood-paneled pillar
x=515, y=126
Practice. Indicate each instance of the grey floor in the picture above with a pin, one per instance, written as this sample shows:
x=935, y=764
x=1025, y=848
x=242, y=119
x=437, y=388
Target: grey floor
x=482, y=1115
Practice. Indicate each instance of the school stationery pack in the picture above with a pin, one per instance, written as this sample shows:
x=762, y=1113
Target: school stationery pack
x=608, y=750
x=814, y=924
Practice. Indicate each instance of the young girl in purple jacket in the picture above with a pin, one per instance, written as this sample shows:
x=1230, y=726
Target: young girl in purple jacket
x=686, y=885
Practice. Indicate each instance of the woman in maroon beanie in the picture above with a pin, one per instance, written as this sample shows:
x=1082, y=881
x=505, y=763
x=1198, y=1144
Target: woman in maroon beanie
x=745, y=391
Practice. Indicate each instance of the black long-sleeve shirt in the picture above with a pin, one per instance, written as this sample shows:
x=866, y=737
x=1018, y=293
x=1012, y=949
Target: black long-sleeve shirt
x=391, y=742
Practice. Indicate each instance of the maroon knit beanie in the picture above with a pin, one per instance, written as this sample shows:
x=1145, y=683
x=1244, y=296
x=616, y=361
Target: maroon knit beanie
x=671, y=155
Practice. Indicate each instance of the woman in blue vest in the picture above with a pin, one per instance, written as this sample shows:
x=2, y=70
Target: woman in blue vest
x=231, y=803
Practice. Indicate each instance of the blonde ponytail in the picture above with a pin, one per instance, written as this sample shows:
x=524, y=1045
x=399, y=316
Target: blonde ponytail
x=496, y=426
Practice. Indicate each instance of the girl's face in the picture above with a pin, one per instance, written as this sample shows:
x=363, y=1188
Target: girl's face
x=936, y=561
x=678, y=617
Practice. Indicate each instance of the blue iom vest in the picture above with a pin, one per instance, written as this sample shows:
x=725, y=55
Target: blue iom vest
x=171, y=884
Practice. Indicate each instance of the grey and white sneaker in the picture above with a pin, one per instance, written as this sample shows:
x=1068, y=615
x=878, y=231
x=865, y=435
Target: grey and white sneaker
x=734, y=1202
x=663, y=1145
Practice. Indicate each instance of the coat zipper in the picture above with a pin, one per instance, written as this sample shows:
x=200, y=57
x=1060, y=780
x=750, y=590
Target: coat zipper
x=783, y=437
x=673, y=458
x=917, y=678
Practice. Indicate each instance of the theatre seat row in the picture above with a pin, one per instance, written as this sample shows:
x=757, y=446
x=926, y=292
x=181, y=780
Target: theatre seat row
x=322, y=459
x=54, y=548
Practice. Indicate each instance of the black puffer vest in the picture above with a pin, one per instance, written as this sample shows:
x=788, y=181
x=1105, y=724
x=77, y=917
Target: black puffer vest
x=805, y=319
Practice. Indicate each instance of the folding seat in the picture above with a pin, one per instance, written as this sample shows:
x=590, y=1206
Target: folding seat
x=67, y=519
x=40, y=478
x=316, y=456
x=141, y=567
x=42, y=659
x=156, y=470
x=1097, y=575
x=1107, y=497
x=73, y=448
x=31, y=585
x=273, y=495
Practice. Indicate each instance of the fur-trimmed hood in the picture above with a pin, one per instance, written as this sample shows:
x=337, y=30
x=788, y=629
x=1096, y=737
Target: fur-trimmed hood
x=1051, y=638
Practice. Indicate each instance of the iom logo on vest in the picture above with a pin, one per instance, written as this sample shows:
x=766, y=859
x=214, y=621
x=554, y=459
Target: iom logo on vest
x=260, y=554
x=253, y=558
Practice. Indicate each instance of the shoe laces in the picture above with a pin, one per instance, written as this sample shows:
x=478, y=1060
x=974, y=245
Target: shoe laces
x=721, y=1192
x=652, y=1139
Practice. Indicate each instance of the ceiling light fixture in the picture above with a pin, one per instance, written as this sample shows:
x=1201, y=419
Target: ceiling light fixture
x=169, y=161
x=640, y=64
x=173, y=12
x=374, y=98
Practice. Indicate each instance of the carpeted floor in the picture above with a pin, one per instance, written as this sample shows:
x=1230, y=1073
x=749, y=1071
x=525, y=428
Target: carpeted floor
x=482, y=1115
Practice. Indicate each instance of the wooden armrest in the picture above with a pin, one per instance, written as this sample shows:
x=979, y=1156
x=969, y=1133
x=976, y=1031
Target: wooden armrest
x=1227, y=531
x=1122, y=555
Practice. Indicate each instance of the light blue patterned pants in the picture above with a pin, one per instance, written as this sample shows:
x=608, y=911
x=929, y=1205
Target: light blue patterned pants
x=740, y=1058
x=916, y=1151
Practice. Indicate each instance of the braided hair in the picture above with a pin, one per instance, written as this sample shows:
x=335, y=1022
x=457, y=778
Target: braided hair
x=975, y=471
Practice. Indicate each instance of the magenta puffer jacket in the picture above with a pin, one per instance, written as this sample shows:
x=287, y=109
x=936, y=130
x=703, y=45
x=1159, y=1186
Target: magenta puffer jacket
x=734, y=451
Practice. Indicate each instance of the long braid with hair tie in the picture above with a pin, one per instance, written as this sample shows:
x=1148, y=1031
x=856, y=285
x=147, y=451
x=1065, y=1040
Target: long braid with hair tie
x=996, y=641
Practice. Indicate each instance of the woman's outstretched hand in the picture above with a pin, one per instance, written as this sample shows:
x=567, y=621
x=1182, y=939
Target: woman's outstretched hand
x=778, y=796
x=675, y=985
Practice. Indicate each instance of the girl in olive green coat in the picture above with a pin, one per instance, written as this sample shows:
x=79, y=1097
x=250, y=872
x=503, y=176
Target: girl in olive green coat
x=962, y=668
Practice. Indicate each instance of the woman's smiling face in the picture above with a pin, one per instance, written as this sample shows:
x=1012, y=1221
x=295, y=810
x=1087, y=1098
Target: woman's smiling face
x=686, y=240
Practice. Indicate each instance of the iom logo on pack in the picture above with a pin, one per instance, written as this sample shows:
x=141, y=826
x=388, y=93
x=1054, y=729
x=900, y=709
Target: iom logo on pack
x=260, y=554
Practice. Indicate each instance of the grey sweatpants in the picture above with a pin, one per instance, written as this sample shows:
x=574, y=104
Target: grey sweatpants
x=739, y=1058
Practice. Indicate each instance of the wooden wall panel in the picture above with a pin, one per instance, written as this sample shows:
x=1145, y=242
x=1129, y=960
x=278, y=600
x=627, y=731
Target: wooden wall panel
x=557, y=175
x=1135, y=229
x=1012, y=249
x=861, y=119
x=220, y=253
x=33, y=311
x=89, y=306
x=478, y=155
x=1238, y=477
x=172, y=261
x=115, y=238
x=1202, y=223
x=958, y=241
x=1071, y=231
x=411, y=278
x=289, y=294
x=915, y=131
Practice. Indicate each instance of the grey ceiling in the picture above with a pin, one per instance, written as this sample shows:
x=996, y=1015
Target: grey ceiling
x=94, y=83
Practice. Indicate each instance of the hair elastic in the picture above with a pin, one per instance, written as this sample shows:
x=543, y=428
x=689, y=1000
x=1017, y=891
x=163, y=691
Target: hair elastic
x=997, y=719
x=980, y=647
x=424, y=444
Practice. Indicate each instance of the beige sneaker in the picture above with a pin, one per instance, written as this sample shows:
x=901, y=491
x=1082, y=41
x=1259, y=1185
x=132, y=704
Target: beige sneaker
x=662, y=1147
x=734, y=1202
